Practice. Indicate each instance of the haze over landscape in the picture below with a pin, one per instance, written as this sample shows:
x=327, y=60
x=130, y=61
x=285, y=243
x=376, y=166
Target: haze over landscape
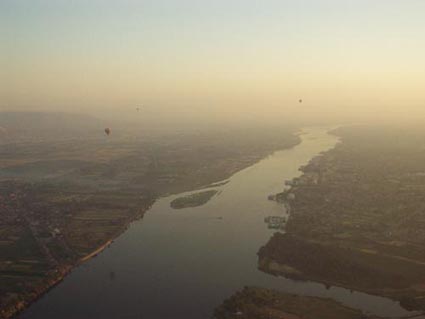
x=212, y=159
x=220, y=59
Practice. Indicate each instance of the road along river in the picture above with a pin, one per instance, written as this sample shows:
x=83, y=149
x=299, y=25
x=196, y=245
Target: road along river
x=183, y=263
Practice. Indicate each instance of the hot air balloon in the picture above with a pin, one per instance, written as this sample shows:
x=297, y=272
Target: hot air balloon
x=300, y=100
x=107, y=131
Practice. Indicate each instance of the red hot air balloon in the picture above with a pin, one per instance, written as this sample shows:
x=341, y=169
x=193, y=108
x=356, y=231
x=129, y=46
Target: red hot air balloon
x=107, y=131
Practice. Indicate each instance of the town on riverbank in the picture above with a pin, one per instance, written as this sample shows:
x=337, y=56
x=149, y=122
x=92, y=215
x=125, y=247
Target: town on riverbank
x=357, y=217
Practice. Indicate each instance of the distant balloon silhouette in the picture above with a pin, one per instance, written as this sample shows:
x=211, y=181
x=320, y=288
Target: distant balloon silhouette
x=107, y=131
x=300, y=100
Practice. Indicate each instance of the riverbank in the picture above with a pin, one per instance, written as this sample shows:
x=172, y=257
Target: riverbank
x=357, y=218
x=61, y=264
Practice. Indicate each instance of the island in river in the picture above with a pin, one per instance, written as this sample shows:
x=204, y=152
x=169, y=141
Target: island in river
x=64, y=198
x=357, y=217
x=256, y=303
x=193, y=200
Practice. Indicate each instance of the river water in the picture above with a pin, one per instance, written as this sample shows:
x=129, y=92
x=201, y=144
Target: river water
x=176, y=264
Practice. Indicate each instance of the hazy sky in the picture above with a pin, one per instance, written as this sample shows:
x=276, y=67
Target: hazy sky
x=214, y=57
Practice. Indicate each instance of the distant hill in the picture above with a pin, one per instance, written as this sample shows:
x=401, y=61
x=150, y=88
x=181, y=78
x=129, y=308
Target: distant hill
x=45, y=120
x=46, y=124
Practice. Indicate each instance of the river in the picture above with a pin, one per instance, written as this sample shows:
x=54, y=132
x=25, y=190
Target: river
x=183, y=263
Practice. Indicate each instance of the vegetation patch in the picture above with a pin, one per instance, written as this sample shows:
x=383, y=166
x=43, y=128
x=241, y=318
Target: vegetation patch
x=193, y=200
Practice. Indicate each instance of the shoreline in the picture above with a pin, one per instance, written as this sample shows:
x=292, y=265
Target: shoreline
x=312, y=204
x=269, y=265
x=65, y=270
x=96, y=252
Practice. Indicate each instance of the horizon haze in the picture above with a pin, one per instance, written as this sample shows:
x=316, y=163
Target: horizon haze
x=215, y=61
